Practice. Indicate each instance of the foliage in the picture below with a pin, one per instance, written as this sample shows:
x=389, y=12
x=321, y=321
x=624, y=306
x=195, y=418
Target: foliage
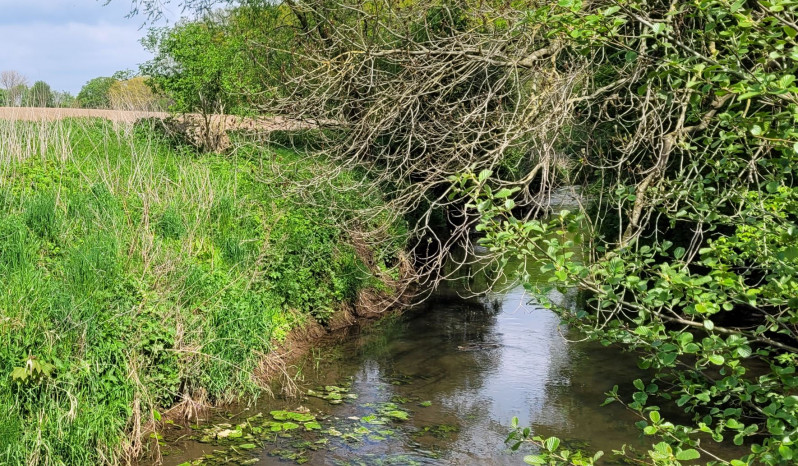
x=689, y=256
x=679, y=121
x=549, y=450
x=133, y=94
x=39, y=95
x=15, y=85
x=200, y=66
x=64, y=100
x=95, y=93
x=137, y=275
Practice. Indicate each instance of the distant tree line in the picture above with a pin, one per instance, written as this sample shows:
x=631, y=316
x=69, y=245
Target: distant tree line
x=122, y=91
x=14, y=92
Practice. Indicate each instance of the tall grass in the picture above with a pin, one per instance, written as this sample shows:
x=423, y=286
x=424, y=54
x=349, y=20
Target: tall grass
x=148, y=276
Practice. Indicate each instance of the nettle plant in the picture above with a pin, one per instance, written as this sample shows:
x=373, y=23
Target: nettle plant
x=686, y=247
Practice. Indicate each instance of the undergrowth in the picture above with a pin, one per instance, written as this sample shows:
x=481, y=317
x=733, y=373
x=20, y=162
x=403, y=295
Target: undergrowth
x=137, y=275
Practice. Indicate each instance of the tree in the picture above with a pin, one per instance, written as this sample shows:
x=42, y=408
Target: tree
x=15, y=84
x=133, y=94
x=678, y=119
x=690, y=256
x=40, y=95
x=202, y=69
x=64, y=100
x=95, y=93
x=200, y=66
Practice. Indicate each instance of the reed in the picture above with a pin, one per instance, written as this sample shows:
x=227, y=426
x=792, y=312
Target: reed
x=148, y=276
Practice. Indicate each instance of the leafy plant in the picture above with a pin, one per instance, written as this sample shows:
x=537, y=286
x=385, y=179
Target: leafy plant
x=34, y=371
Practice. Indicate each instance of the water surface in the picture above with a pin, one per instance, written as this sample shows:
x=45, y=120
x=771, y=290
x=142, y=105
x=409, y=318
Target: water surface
x=461, y=368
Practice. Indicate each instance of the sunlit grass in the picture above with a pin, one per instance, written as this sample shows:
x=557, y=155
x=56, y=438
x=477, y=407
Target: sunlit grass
x=148, y=275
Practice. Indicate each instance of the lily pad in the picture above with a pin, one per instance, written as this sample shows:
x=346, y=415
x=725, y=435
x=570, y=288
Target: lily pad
x=226, y=433
x=290, y=426
x=398, y=415
x=312, y=425
x=372, y=419
x=292, y=416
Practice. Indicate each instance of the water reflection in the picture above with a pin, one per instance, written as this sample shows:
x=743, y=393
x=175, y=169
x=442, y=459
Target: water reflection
x=480, y=365
x=478, y=362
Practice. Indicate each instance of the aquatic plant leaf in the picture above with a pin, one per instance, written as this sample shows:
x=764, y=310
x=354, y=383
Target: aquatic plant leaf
x=312, y=425
x=398, y=415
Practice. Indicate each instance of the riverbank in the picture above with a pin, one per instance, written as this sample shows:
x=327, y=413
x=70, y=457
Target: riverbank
x=141, y=277
x=437, y=384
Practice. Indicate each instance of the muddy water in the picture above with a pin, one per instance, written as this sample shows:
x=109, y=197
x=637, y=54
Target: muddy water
x=458, y=368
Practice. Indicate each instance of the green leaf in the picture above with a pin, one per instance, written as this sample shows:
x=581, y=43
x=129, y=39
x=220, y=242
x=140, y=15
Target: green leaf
x=748, y=95
x=772, y=187
x=654, y=416
x=687, y=455
x=717, y=359
x=552, y=443
x=534, y=459
x=19, y=374
x=658, y=28
x=505, y=192
x=312, y=425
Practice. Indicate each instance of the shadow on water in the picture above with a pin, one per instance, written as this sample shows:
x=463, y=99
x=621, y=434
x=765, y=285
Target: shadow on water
x=461, y=368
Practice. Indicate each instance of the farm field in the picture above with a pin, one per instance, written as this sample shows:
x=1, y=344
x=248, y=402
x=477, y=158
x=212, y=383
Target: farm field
x=53, y=114
x=228, y=122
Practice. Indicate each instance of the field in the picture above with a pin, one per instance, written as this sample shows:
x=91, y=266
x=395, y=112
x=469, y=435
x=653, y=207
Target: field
x=139, y=276
x=229, y=122
x=53, y=114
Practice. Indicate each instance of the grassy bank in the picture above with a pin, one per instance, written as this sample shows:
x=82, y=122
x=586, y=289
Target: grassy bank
x=137, y=275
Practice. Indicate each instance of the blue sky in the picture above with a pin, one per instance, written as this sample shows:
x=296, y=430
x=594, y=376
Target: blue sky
x=68, y=42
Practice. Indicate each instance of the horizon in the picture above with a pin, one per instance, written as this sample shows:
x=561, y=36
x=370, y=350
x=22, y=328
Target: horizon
x=67, y=43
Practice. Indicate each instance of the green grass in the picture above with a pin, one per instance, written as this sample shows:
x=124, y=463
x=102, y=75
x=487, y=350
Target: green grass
x=146, y=273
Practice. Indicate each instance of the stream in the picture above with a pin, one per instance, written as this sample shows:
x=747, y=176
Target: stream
x=438, y=384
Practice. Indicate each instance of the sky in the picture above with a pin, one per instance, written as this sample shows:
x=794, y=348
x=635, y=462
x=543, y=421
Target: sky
x=68, y=42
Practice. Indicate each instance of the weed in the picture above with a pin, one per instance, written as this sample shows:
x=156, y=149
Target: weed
x=170, y=224
x=41, y=216
x=143, y=276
